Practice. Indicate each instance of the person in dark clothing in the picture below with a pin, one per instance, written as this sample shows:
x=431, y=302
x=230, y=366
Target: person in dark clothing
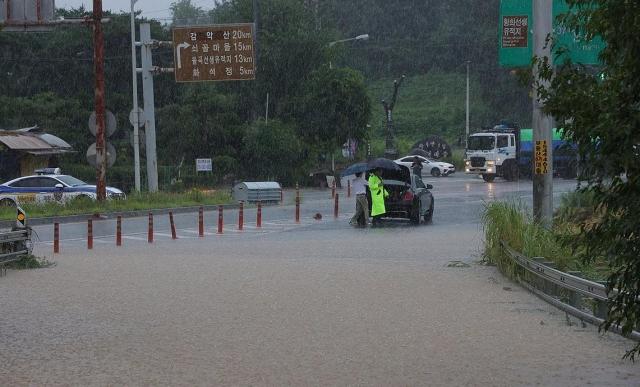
x=416, y=166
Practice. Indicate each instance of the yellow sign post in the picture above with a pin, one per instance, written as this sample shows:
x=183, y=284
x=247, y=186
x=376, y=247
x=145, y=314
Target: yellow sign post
x=541, y=158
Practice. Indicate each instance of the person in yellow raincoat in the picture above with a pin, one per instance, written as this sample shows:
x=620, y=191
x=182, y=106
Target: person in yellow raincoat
x=378, y=194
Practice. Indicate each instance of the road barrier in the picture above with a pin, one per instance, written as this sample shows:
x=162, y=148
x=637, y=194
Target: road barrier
x=14, y=244
x=566, y=291
x=220, y=220
x=336, y=206
x=259, y=215
x=333, y=189
x=173, y=226
x=282, y=197
x=150, y=233
x=119, y=231
x=201, y=222
x=56, y=238
x=90, y=234
x=241, y=216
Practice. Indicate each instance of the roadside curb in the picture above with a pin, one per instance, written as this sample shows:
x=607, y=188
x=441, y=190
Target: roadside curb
x=114, y=215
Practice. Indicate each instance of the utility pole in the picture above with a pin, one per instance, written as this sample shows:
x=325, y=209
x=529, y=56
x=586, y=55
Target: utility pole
x=98, y=62
x=149, y=109
x=542, y=124
x=466, y=138
x=136, y=125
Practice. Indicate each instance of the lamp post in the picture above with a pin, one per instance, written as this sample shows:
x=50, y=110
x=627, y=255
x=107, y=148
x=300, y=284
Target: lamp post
x=466, y=138
x=331, y=44
x=136, y=124
x=359, y=37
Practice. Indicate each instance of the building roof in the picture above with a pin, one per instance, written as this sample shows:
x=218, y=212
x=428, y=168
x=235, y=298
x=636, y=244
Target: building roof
x=34, y=140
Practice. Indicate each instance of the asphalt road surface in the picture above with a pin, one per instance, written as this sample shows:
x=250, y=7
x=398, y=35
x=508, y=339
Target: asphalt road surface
x=315, y=303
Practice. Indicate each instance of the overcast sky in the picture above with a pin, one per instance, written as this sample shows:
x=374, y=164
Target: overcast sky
x=153, y=9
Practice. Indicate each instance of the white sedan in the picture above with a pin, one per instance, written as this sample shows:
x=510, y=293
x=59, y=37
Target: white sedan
x=435, y=168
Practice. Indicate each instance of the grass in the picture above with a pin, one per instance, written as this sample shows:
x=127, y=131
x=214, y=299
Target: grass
x=513, y=223
x=134, y=202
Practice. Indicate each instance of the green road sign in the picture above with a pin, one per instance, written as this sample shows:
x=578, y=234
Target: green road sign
x=516, y=36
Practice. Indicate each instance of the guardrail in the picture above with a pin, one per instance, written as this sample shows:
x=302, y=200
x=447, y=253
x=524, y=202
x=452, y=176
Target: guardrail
x=579, y=297
x=13, y=245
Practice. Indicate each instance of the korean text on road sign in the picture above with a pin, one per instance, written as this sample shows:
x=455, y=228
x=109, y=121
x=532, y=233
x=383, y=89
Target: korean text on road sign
x=214, y=53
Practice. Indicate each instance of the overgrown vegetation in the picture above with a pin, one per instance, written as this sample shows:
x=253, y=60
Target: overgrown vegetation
x=134, y=202
x=29, y=262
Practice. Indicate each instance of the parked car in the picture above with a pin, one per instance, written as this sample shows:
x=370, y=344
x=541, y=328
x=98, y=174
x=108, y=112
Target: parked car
x=49, y=185
x=435, y=168
x=408, y=198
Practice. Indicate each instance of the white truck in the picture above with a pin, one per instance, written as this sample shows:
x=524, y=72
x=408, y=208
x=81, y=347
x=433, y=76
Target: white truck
x=494, y=153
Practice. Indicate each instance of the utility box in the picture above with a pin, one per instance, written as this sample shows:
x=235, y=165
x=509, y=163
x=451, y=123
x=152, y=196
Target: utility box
x=262, y=191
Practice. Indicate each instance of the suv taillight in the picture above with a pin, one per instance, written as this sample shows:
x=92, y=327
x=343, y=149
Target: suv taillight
x=408, y=196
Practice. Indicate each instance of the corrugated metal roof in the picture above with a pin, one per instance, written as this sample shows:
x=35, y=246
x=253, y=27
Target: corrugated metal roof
x=17, y=141
x=33, y=140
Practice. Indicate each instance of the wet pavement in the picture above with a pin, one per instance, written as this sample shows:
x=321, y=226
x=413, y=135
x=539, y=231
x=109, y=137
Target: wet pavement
x=315, y=303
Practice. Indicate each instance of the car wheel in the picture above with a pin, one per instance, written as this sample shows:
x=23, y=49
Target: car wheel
x=428, y=217
x=488, y=177
x=435, y=172
x=7, y=203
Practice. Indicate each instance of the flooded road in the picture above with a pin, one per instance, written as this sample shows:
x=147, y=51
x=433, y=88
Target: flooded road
x=318, y=303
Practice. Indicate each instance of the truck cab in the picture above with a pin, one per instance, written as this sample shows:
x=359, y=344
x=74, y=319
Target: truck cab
x=493, y=153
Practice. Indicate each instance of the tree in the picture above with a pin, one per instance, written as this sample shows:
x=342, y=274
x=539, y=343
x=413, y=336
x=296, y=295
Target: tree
x=333, y=107
x=271, y=151
x=599, y=111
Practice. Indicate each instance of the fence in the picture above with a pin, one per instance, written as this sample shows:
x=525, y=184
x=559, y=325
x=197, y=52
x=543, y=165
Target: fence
x=13, y=245
x=579, y=297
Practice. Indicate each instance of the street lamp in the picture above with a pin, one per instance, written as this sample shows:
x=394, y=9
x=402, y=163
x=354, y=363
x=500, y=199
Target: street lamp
x=331, y=44
x=466, y=139
x=359, y=37
x=136, y=124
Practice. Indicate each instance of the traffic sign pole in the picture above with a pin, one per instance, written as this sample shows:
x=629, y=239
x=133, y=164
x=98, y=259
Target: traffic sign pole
x=147, y=86
x=136, y=135
x=542, y=123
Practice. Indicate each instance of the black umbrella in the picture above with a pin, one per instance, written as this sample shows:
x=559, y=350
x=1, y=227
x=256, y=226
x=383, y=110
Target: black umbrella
x=383, y=163
x=355, y=168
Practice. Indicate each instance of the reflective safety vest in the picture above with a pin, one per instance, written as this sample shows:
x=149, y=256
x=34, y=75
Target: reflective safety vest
x=378, y=193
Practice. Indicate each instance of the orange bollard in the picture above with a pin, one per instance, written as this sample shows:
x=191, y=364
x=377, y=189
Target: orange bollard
x=90, y=234
x=241, y=216
x=220, y=220
x=335, y=206
x=349, y=188
x=119, y=231
x=150, y=234
x=56, y=238
x=173, y=226
x=259, y=216
x=201, y=222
